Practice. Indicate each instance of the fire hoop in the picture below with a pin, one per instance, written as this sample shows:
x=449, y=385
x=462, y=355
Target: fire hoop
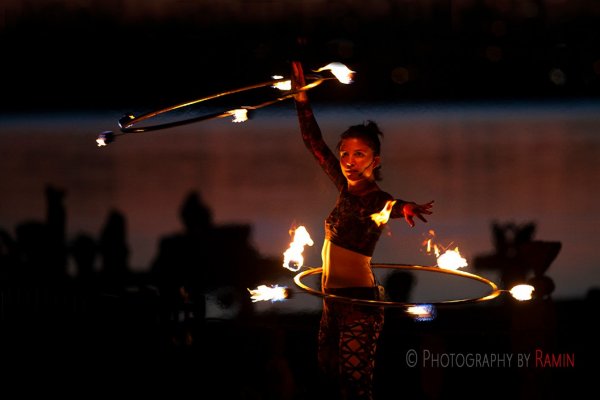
x=495, y=292
x=128, y=122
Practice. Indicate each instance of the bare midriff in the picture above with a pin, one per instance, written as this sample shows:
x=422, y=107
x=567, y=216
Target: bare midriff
x=345, y=268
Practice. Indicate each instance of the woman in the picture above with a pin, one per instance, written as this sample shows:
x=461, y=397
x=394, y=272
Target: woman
x=348, y=333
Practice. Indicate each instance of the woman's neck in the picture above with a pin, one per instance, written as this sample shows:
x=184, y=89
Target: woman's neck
x=362, y=187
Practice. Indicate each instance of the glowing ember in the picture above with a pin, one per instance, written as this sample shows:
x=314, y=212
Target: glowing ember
x=340, y=71
x=430, y=246
x=282, y=85
x=271, y=293
x=292, y=257
x=522, y=292
x=383, y=216
x=240, y=115
x=105, y=138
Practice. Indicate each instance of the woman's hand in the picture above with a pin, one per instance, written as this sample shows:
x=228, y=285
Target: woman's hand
x=298, y=81
x=412, y=210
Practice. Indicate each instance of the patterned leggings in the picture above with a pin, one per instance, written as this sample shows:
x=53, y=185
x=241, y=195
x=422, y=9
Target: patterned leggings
x=348, y=335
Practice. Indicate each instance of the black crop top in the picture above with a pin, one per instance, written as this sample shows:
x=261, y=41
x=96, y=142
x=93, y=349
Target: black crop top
x=349, y=225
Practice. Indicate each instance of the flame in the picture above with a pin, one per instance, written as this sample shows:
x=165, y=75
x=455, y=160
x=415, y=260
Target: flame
x=282, y=85
x=105, y=138
x=272, y=293
x=522, y=292
x=340, y=71
x=292, y=257
x=239, y=115
x=383, y=216
x=449, y=259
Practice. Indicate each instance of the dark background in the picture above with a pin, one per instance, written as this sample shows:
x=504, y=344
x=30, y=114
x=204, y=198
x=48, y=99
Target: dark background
x=119, y=55
x=61, y=54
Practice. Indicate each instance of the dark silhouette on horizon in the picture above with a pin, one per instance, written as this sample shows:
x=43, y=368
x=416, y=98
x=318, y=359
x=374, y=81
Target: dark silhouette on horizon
x=154, y=324
x=519, y=258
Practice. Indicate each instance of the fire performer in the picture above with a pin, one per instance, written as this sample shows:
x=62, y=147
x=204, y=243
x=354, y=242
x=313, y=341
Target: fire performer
x=348, y=333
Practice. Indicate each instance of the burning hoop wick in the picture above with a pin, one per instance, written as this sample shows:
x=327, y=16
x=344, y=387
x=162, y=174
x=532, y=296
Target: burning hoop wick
x=272, y=293
x=449, y=259
x=292, y=257
x=128, y=122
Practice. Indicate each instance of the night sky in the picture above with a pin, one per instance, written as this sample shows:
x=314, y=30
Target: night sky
x=101, y=54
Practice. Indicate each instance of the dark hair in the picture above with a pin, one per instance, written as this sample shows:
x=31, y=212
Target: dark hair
x=370, y=133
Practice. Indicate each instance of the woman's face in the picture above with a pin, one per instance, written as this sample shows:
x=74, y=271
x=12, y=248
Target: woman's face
x=357, y=159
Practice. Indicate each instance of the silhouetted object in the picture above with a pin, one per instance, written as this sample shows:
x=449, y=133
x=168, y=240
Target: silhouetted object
x=33, y=249
x=522, y=260
x=56, y=220
x=518, y=255
x=593, y=297
x=114, y=250
x=195, y=216
x=41, y=245
x=534, y=328
x=537, y=256
x=182, y=268
x=279, y=380
x=507, y=238
x=8, y=256
x=398, y=285
x=205, y=258
x=84, y=251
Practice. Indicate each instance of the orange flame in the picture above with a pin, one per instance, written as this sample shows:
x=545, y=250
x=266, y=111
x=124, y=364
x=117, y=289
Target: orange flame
x=383, y=216
x=292, y=257
x=340, y=71
x=272, y=293
x=446, y=259
x=239, y=115
x=282, y=84
x=522, y=292
x=451, y=259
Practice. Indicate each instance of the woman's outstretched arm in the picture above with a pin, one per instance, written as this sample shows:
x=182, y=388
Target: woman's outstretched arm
x=310, y=130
